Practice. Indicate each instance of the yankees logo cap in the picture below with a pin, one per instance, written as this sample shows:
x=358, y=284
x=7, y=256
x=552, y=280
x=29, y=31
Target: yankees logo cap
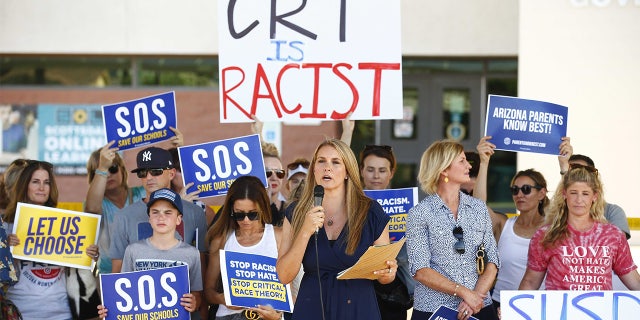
x=153, y=158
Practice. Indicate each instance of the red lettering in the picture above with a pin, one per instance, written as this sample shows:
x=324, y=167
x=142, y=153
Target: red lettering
x=316, y=86
x=262, y=77
x=377, y=79
x=280, y=74
x=225, y=91
x=354, y=91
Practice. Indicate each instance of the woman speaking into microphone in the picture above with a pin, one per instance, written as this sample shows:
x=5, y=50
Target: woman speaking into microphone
x=347, y=223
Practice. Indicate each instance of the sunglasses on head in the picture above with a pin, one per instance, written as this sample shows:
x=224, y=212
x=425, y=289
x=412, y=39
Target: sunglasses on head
x=143, y=172
x=295, y=165
x=372, y=147
x=459, y=245
x=43, y=164
x=578, y=166
x=279, y=173
x=239, y=216
x=526, y=189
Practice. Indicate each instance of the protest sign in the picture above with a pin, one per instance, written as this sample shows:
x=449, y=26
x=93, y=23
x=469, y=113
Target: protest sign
x=446, y=313
x=148, y=294
x=309, y=60
x=517, y=124
x=140, y=122
x=213, y=166
x=250, y=280
x=396, y=203
x=55, y=236
x=574, y=305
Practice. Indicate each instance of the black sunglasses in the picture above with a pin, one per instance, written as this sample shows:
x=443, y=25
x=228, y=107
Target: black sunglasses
x=459, y=245
x=279, y=173
x=526, y=189
x=113, y=169
x=372, y=147
x=44, y=164
x=578, y=166
x=295, y=165
x=239, y=216
x=154, y=172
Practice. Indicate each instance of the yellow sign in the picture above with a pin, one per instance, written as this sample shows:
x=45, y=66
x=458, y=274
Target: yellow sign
x=55, y=236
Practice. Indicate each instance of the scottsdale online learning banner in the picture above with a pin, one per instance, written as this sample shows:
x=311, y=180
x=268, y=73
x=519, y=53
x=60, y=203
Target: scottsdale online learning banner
x=213, y=166
x=294, y=60
x=55, y=236
x=574, y=305
x=396, y=203
x=250, y=280
x=145, y=295
x=140, y=122
x=525, y=125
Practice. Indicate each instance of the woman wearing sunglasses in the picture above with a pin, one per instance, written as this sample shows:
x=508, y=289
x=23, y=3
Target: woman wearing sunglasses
x=529, y=193
x=578, y=249
x=108, y=193
x=244, y=226
x=275, y=177
x=446, y=232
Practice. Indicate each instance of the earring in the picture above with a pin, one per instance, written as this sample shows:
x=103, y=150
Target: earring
x=446, y=179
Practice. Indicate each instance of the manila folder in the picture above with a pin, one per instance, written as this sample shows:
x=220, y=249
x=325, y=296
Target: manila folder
x=375, y=258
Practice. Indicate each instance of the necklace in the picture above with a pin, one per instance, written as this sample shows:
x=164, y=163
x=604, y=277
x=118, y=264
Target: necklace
x=330, y=221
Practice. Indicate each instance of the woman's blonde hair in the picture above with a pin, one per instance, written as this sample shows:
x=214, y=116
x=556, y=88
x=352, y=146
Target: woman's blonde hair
x=94, y=162
x=437, y=158
x=558, y=216
x=357, y=203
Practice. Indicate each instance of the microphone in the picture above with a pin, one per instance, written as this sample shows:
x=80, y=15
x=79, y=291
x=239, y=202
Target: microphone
x=318, y=194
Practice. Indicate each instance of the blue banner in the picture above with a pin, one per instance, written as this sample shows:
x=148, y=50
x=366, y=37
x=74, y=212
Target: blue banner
x=396, y=203
x=149, y=294
x=250, y=280
x=446, y=313
x=140, y=122
x=213, y=166
x=525, y=125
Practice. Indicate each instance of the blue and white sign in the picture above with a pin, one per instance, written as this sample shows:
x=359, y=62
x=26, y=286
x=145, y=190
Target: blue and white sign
x=396, y=203
x=140, y=122
x=446, y=313
x=517, y=124
x=149, y=294
x=213, y=166
x=574, y=305
x=250, y=280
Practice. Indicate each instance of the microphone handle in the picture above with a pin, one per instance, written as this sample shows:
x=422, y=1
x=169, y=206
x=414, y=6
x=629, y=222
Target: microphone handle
x=317, y=201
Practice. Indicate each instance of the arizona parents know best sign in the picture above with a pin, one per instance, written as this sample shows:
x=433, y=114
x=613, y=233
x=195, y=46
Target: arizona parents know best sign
x=294, y=60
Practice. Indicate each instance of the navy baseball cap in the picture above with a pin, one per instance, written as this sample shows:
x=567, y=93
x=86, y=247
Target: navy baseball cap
x=167, y=195
x=153, y=158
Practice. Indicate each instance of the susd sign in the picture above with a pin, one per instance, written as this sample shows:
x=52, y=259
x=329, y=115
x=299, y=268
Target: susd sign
x=150, y=294
x=213, y=166
x=140, y=122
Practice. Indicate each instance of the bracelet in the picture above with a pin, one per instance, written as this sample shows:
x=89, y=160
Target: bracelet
x=455, y=291
x=101, y=173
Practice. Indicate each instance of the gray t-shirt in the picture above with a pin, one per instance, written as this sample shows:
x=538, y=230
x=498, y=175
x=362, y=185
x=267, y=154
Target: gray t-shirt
x=131, y=224
x=142, y=255
x=616, y=216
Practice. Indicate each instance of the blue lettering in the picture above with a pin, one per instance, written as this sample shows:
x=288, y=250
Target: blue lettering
x=577, y=299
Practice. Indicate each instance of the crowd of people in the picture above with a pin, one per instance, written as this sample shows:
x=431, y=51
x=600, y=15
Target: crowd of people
x=458, y=252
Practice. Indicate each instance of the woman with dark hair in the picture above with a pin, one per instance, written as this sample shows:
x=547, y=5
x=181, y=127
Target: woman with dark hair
x=446, y=232
x=576, y=223
x=244, y=226
x=377, y=166
x=343, y=227
x=41, y=292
